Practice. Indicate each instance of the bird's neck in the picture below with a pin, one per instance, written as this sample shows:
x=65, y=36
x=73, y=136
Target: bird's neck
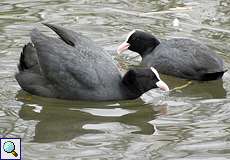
x=148, y=51
x=134, y=88
x=129, y=86
x=145, y=53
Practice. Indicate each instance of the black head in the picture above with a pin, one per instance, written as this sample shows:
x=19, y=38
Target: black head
x=141, y=80
x=140, y=42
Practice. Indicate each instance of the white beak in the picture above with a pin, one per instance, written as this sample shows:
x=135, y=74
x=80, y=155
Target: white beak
x=123, y=47
x=162, y=85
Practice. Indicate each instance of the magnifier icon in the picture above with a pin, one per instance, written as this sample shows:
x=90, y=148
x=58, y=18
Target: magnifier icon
x=9, y=147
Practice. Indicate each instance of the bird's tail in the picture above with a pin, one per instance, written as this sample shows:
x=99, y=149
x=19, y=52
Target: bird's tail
x=213, y=76
x=28, y=59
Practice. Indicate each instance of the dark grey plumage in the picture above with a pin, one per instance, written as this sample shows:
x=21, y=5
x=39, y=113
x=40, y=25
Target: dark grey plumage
x=178, y=57
x=73, y=67
x=186, y=59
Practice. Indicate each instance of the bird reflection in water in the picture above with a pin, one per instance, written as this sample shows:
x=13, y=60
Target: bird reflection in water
x=60, y=120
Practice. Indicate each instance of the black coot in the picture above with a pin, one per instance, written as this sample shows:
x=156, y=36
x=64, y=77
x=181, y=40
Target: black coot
x=73, y=67
x=178, y=57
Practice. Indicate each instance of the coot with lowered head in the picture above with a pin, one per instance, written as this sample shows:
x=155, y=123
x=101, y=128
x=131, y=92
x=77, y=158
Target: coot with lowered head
x=74, y=67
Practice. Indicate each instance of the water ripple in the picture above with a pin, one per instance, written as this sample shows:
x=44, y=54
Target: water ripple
x=191, y=123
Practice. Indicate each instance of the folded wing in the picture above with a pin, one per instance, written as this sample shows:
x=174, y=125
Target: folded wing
x=62, y=64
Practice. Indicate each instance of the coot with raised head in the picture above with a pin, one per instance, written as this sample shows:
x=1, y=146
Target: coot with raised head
x=178, y=57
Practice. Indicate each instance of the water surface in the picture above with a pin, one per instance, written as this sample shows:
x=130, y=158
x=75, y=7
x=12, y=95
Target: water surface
x=190, y=123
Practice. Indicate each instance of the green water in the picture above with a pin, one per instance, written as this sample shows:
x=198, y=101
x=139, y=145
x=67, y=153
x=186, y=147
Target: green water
x=191, y=123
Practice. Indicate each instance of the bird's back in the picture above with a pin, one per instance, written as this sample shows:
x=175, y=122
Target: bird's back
x=83, y=71
x=184, y=58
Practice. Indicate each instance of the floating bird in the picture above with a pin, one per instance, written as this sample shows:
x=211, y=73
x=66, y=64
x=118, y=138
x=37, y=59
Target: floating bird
x=178, y=57
x=74, y=67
